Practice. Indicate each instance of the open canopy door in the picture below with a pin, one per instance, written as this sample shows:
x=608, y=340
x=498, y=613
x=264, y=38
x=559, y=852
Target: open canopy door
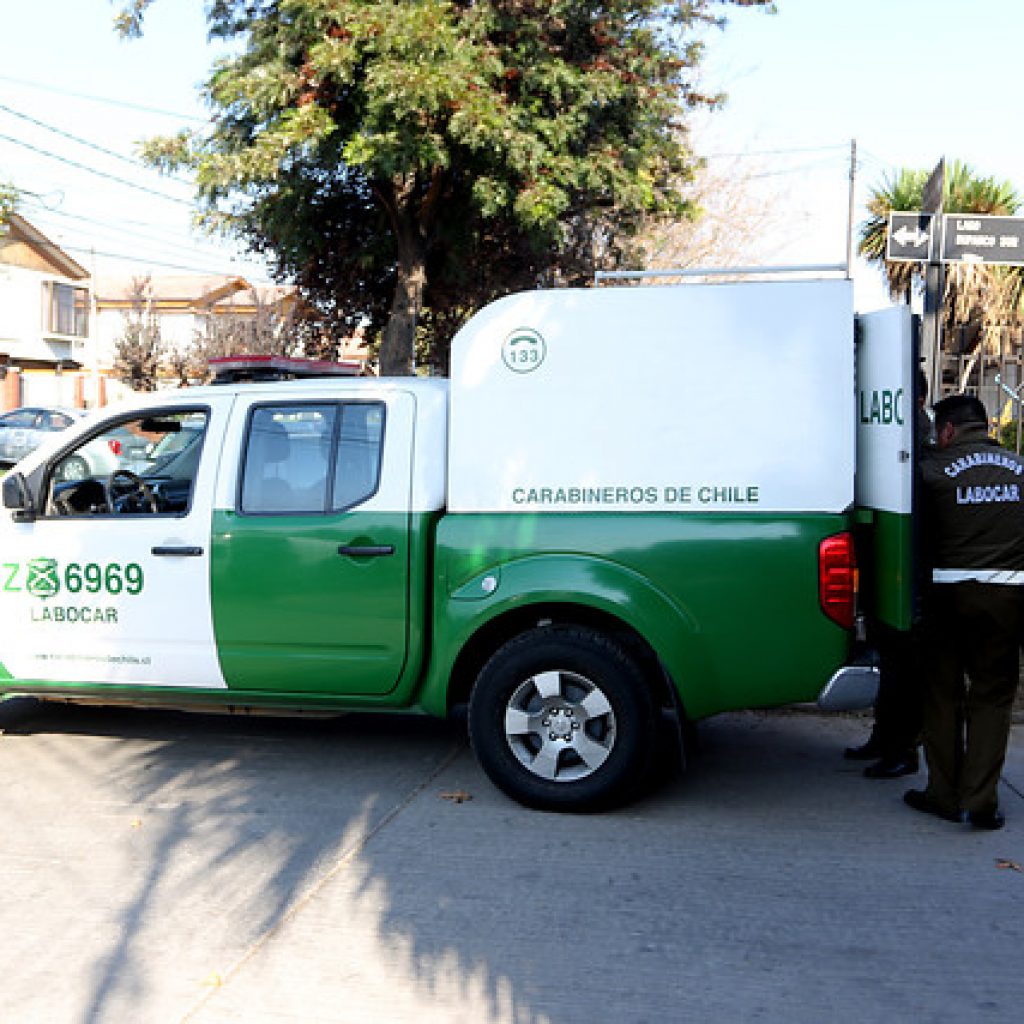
x=886, y=453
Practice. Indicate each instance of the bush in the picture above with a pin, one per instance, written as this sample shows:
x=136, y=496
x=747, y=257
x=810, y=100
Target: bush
x=1008, y=435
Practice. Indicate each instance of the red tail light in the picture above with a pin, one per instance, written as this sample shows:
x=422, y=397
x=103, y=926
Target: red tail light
x=114, y=445
x=837, y=578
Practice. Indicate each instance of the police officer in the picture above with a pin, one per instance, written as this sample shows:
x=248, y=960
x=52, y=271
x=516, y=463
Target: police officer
x=899, y=705
x=973, y=513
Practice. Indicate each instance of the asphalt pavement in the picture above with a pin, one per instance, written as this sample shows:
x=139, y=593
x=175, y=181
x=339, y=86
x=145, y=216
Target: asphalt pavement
x=162, y=867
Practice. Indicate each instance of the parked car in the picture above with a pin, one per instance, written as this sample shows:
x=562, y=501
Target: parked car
x=118, y=448
x=23, y=430
x=141, y=446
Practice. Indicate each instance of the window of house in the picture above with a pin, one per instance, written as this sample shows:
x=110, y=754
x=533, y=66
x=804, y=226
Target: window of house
x=66, y=309
x=311, y=458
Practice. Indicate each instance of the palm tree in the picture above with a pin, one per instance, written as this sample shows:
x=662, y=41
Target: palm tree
x=901, y=191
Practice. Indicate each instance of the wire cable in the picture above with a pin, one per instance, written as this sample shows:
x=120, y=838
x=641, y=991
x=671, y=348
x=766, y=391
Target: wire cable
x=93, y=170
x=103, y=99
x=186, y=242
x=146, y=244
x=778, y=152
x=85, y=142
x=168, y=266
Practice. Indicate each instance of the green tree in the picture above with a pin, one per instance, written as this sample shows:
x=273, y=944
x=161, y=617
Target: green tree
x=392, y=153
x=8, y=201
x=974, y=292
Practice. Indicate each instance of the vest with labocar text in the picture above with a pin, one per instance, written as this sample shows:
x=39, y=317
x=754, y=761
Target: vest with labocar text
x=972, y=504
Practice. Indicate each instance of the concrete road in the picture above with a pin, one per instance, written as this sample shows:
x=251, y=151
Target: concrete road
x=163, y=868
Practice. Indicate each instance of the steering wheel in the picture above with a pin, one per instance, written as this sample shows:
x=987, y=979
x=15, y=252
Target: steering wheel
x=125, y=486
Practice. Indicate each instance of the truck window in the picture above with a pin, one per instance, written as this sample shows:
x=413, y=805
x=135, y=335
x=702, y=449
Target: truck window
x=142, y=465
x=311, y=459
x=357, y=471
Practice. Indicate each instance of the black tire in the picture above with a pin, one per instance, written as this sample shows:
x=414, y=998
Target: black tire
x=562, y=719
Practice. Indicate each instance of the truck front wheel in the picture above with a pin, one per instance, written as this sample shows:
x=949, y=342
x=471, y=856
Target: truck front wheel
x=561, y=718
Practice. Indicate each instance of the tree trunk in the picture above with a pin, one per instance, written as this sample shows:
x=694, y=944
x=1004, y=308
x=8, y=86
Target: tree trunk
x=397, y=345
x=411, y=221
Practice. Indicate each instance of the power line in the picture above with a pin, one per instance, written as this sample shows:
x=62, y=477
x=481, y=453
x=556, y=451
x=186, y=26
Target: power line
x=830, y=161
x=96, y=171
x=885, y=164
x=178, y=249
x=260, y=277
x=161, y=263
x=187, y=242
x=185, y=245
x=84, y=142
x=103, y=99
x=777, y=152
x=40, y=198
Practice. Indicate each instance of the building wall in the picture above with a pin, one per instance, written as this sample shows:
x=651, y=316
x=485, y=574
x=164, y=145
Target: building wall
x=23, y=333
x=176, y=328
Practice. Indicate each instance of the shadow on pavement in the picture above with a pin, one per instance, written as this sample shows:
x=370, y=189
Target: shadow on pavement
x=219, y=869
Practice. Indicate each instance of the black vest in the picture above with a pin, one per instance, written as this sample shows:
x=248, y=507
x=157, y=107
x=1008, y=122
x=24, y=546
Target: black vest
x=972, y=503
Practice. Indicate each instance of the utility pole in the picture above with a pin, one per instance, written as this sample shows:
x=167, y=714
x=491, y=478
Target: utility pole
x=934, y=282
x=849, y=216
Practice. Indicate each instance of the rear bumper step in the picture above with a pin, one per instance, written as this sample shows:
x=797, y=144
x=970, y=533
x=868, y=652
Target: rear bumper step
x=852, y=688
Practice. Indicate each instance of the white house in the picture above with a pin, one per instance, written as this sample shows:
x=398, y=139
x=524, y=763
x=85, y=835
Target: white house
x=179, y=303
x=187, y=306
x=45, y=318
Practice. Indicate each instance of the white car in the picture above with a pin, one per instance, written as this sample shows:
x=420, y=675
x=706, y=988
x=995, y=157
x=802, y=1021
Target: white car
x=118, y=448
x=25, y=429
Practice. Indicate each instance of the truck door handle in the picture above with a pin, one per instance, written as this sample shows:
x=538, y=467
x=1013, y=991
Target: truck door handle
x=184, y=551
x=366, y=550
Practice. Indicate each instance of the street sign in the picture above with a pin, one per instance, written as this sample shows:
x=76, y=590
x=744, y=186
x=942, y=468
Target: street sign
x=913, y=237
x=955, y=238
x=978, y=238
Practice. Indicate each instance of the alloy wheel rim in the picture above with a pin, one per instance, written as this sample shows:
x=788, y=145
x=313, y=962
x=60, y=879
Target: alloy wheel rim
x=560, y=726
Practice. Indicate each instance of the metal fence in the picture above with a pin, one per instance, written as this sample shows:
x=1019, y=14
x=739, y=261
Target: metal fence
x=989, y=364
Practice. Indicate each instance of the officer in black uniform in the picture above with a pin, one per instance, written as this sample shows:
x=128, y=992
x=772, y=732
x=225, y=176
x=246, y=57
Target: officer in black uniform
x=899, y=706
x=973, y=513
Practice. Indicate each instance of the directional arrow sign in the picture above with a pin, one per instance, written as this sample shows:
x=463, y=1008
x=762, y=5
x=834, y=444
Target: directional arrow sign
x=974, y=238
x=912, y=237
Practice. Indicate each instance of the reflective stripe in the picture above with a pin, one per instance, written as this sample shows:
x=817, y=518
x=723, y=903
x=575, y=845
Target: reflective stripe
x=1008, y=577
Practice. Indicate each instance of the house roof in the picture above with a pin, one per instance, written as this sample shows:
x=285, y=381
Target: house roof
x=23, y=245
x=258, y=295
x=167, y=290
x=192, y=293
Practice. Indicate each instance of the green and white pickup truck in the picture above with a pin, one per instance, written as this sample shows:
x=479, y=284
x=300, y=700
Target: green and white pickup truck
x=624, y=501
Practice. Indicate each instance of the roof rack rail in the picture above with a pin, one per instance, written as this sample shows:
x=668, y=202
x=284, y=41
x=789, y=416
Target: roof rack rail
x=810, y=269
x=251, y=369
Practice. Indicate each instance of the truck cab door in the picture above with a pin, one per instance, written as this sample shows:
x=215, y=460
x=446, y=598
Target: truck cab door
x=311, y=545
x=887, y=411
x=107, y=581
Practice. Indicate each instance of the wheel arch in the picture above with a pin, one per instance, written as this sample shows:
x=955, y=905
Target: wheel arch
x=563, y=589
x=497, y=631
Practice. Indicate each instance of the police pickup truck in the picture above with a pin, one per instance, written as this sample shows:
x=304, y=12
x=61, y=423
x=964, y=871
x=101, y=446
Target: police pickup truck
x=624, y=501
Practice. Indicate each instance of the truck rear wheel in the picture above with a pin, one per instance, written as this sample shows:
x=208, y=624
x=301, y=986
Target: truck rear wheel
x=561, y=718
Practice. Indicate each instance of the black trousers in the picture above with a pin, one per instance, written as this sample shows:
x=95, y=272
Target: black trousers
x=973, y=635
x=899, y=706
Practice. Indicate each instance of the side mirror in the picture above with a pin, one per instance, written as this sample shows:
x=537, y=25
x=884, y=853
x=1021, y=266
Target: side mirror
x=18, y=497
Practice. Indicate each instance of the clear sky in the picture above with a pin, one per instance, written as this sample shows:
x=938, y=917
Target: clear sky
x=911, y=80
